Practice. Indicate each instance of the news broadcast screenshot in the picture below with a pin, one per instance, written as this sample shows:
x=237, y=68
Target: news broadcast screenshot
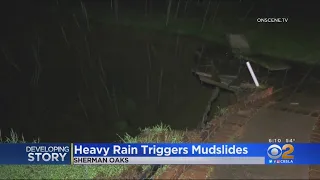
x=150, y=89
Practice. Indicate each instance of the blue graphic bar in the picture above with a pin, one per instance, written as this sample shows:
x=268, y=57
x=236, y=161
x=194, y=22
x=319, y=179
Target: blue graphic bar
x=288, y=154
x=35, y=153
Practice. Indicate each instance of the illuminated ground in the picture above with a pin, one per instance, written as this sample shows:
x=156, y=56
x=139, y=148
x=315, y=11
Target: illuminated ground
x=279, y=119
x=273, y=123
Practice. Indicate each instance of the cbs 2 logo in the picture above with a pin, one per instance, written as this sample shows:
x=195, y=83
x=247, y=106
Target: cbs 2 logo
x=275, y=151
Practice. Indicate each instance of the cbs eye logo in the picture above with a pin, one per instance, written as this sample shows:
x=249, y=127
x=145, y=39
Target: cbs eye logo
x=275, y=151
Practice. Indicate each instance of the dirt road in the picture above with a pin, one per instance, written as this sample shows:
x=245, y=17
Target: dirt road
x=294, y=118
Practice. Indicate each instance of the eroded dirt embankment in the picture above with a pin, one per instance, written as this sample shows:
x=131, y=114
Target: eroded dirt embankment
x=272, y=115
x=226, y=128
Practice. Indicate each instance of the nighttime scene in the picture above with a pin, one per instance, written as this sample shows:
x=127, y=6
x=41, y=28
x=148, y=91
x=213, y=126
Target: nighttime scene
x=153, y=71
